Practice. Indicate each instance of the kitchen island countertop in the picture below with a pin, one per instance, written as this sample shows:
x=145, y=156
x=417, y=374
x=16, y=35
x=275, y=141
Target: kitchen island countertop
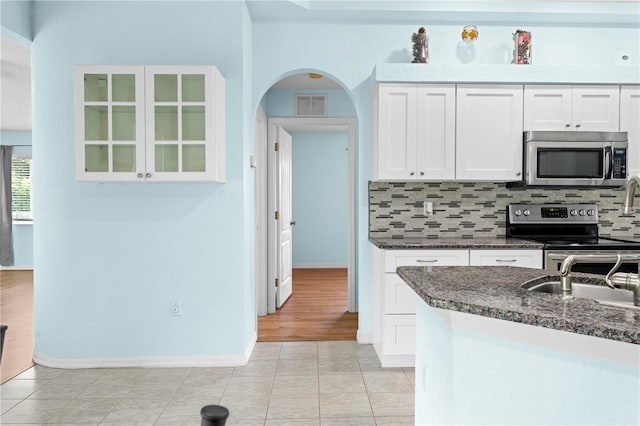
x=419, y=243
x=497, y=292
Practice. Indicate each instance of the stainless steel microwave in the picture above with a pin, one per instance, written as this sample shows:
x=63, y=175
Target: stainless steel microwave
x=575, y=158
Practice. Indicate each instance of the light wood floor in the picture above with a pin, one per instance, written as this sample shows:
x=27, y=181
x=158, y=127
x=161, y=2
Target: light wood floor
x=16, y=311
x=317, y=310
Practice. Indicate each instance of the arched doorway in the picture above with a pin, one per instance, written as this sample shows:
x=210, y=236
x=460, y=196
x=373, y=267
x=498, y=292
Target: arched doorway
x=283, y=115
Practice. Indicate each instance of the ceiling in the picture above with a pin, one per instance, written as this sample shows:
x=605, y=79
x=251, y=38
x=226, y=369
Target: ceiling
x=304, y=81
x=15, y=86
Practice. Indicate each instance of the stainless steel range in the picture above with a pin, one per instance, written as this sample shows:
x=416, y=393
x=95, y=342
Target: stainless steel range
x=566, y=229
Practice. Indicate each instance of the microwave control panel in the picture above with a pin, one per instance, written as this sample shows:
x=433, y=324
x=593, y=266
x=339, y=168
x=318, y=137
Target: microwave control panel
x=619, y=163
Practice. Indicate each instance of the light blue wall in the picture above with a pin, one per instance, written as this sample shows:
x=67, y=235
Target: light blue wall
x=15, y=17
x=281, y=103
x=110, y=258
x=320, y=191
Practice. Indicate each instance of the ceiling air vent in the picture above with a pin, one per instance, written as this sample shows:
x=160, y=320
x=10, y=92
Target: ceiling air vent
x=311, y=105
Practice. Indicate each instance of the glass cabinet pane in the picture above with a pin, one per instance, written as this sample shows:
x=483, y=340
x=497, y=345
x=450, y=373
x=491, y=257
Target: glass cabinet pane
x=166, y=88
x=124, y=87
x=193, y=123
x=124, y=123
x=166, y=123
x=124, y=158
x=95, y=88
x=96, y=123
x=193, y=158
x=166, y=158
x=193, y=88
x=96, y=158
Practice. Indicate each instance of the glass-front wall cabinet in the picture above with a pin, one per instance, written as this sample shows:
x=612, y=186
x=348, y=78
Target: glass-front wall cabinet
x=153, y=123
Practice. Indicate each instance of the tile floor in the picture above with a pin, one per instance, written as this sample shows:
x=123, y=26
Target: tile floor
x=292, y=383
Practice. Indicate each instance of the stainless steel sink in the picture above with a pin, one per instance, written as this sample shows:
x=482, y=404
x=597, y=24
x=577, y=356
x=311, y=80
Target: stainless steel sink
x=600, y=293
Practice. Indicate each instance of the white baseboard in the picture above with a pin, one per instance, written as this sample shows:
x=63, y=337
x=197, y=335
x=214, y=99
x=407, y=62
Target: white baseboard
x=364, y=338
x=16, y=268
x=148, y=362
x=320, y=266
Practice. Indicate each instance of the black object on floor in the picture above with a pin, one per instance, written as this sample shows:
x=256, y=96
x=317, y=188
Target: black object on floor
x=3, y=329
x=214, y=415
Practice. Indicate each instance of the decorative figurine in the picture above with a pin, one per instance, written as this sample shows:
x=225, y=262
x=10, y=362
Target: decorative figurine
x=522, y=47
x=420, y=47
x=469, y=33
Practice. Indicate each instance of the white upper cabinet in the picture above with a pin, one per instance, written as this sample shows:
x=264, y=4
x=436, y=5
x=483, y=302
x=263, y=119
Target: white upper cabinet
x=489, y=132
x=109, y=122
x=584, y=108
x=630, y=123
x=150, y=123
x=415, y=132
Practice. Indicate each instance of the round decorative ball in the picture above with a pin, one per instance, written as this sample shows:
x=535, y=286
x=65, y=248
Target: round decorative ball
x=469, y=33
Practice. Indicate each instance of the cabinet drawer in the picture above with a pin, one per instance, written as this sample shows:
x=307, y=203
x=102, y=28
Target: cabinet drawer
x=399, y=298
x=395, y=258
x=521, y=258
x=399, y=334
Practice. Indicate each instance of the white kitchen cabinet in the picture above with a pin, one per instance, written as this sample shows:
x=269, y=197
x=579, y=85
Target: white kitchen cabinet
x=567, y=107
x=630, y=123
x=506, y=257
x=150, y=123
x=415, y=132
x=489, y=132
x=394, y=302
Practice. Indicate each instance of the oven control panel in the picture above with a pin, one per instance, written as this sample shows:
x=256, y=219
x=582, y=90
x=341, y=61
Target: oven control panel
x=553, y=213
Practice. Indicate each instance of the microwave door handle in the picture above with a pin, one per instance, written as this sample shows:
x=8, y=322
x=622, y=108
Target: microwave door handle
x=608, y=162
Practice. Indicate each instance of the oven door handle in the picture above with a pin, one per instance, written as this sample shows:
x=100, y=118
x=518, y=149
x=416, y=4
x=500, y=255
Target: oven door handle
x=608, y=162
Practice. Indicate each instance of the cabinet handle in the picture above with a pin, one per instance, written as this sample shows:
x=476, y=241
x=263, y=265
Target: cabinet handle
x=518, y=173
x=427, y=261
x=411, y=173
x=567, y=125
x=506, y=260
x=148, y=175
x=577, y=125
x=140, y=175
x=421, y=173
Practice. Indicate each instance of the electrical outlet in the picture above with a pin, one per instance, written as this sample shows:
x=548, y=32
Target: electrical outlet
x=427, y=208
x=176, y=307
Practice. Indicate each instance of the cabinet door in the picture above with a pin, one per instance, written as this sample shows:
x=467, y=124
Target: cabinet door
x=109, y=123
x=396, y=141
x=521, y=258
x=184, y=139
x=399, y=334
x=399, y=298
x=630, y=123
x=489, y=132
x=596, y=108
x=547, y=107
x=436, y=128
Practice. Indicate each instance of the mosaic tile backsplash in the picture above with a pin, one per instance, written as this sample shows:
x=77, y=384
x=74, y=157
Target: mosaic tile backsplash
x=468, y=210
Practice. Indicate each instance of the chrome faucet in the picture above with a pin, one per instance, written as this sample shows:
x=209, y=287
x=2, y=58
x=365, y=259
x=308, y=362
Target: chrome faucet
x=632, y=185
x=626, y=281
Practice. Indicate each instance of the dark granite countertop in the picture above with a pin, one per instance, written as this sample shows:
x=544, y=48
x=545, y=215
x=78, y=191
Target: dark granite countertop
x=417, y=243
x=497, y=292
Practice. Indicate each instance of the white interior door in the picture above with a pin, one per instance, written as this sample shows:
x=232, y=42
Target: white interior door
x=284, y=221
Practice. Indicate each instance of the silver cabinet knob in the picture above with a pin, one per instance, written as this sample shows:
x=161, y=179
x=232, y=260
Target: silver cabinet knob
x=292, y=223
x=411, y=173
x=518, y=173
x=148, y=175
x=421, y=173
x=567, y=125
x=140, y=175
x=577, y=125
